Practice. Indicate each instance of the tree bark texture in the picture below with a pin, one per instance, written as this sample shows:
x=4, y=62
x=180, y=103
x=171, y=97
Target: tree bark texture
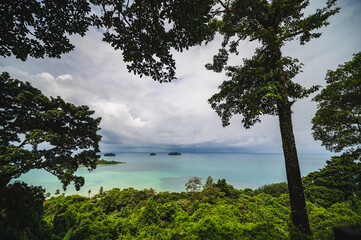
x=298, y=205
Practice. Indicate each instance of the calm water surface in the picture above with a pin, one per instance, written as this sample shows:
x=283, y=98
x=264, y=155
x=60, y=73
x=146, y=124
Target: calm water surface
x=170, y=173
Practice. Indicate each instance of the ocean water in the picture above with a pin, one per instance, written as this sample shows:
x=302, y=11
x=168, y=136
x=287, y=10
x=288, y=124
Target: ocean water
x=170, y=173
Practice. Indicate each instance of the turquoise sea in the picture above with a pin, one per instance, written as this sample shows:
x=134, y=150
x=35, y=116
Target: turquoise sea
x=170, y=173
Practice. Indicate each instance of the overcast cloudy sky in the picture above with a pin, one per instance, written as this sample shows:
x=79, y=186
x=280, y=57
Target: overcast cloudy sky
x=139, y=114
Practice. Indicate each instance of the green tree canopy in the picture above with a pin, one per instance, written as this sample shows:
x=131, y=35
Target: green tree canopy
x=41, y=133
x=341, y=172
x=209, y=182
x=194, y=184
x=145, y=30
x=41, y=28
x=21, y=211
x=337, y=122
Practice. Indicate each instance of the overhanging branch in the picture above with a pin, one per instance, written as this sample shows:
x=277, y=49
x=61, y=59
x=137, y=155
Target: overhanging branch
x=46, y=152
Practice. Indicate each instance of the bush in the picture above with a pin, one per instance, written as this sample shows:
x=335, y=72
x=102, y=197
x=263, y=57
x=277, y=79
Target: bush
x=21, y=211
x=275, y=189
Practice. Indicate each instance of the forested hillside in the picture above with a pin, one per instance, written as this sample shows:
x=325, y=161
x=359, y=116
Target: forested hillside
x=214, y=213
x=217, y=212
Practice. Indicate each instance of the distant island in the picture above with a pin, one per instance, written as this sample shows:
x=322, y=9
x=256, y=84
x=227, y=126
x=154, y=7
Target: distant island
x=174, y=153
x=101, y=161
x=109, y=154
x=152, y=154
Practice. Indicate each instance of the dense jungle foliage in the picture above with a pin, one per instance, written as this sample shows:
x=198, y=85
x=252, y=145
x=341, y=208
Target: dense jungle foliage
x=219, y=211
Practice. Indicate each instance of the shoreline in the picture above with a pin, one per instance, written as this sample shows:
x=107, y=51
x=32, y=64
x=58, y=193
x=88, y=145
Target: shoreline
x=165, y=173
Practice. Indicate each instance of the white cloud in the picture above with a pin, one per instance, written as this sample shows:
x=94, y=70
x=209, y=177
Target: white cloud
x=64, y=77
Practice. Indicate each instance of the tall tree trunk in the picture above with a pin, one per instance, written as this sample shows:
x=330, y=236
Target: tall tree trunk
x=4, y=180
x=297, y=199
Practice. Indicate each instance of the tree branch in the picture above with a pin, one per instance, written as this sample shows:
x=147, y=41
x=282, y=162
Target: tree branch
x=292, y=35
x=223, y=5
x=242, y=12
x=46, y=152
x=124, y=18
x=23, y=143
x=215, y=13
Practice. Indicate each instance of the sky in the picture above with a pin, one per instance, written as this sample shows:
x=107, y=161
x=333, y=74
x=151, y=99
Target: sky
x=142, y=115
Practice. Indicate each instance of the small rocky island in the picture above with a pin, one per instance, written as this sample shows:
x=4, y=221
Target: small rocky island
x=101, y=161
x=109, y=154
x=152, y=154
x=174, y=153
